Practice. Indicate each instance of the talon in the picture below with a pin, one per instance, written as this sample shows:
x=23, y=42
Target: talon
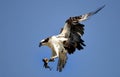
x=51, y=60
x=45, y=60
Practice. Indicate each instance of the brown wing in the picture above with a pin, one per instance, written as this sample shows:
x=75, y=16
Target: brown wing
x=73, y=30
x=74, y=37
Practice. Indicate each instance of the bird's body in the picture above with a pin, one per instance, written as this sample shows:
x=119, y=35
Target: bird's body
x=68, y=40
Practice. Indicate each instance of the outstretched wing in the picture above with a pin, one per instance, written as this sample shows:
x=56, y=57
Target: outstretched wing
x=73, y=30
x=84, y=16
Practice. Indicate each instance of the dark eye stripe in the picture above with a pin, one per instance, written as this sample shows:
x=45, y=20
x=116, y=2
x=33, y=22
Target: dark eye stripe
x=46, y=40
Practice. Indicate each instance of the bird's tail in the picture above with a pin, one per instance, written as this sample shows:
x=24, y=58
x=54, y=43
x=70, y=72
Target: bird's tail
x=62, y=60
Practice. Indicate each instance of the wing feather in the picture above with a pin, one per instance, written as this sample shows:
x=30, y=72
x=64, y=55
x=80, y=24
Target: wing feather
x=84, y=16
x=73, y=30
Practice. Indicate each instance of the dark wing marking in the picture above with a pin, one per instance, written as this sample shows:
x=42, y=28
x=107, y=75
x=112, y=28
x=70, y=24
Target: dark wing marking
x=84, y=16
x=74, y=40
x=73, y=30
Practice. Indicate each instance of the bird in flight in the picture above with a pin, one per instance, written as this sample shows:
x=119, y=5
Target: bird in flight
x=67, y=41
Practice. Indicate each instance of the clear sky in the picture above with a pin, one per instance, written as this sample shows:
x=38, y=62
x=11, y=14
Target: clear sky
x=23, y=23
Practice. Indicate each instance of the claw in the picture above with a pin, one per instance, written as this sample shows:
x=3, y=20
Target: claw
x=51, y=60
x=45, y=60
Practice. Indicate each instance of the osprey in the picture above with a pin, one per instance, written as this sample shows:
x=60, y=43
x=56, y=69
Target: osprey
x=67, y=41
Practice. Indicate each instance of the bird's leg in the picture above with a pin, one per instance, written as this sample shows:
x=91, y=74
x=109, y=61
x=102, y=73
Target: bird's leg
x=52, y=59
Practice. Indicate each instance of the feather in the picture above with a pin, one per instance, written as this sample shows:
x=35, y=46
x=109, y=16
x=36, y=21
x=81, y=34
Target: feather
x=62, y=60
x=69, y=39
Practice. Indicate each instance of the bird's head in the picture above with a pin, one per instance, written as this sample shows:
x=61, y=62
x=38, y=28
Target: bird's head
x=43, y=42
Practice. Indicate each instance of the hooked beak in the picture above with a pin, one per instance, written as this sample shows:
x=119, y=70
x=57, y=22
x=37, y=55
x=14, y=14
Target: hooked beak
x=40, y=44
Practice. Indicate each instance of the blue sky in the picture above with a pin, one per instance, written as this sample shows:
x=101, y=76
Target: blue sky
x=23, y=23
